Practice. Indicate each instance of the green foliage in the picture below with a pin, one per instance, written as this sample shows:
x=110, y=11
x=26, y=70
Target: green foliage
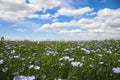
x=19, y=55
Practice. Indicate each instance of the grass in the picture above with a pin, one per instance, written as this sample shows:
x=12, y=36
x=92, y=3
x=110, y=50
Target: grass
x=17, y=57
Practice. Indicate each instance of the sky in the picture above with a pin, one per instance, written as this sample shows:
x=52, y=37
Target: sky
x=60, y=19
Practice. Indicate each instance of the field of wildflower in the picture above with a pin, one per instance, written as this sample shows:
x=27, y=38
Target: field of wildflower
x=60, y=60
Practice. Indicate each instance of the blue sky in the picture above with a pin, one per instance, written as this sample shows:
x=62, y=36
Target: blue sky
x=60, y=19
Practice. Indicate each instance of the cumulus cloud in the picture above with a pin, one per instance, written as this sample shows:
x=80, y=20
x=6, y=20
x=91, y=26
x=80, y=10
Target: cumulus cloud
x=55, y=20
x=92, y=13
x=76, y=31
x=108, y=14
x=53, y=26
x=19, y=9
x=45, y=27
x=88, y=23
x=106, y=18
x=73, y=12
x=43, y=4
x=105, y=25
x=43, y=16
x=96, y=30
x=112, y=23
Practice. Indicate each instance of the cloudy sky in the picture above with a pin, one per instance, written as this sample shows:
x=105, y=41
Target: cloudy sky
x=60, y=19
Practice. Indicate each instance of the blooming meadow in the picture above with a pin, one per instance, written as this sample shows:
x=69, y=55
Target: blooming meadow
x=60, y=60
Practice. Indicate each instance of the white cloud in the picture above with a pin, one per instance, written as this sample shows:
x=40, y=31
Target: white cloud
x=108, y=14
x=88, y=23
x=55, y=20
x=92, y=13
x=73, y=12
x=52, y=27
x=45, y=27
x=59, y=25
x=21, y=30
x=33, y=16
x=43, y=16
x=27, y=24
x=43, y=4
x=113, y=23
x=105, y=19
x=76, y=31
x=96, y=30
x=101, y=21
x=18, y=9
x=105, y=25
